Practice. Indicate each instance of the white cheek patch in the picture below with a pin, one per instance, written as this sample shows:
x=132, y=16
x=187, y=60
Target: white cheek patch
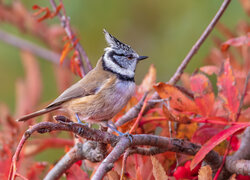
x=114, y=67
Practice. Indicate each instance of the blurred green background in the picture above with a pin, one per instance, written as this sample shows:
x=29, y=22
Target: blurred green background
x=163, y=30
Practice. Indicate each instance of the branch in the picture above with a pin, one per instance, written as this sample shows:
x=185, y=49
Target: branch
x=108, y=163
x=31, y=47
x=89, y=150
x=175, y=78
x=132, y=113
x=122, y=143
x=239, y=162
x=66, y=25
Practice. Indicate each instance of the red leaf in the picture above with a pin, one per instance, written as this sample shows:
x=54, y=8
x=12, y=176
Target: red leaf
x=36, y=170
x=203, y=93
x=239, y=41
x=178, y=100
x=182, y=172
x=48, y=13
x=227, y=89
x=76, y=173
x=217, y=139
x=36, y=7
x=235, y=143
x=207, y=130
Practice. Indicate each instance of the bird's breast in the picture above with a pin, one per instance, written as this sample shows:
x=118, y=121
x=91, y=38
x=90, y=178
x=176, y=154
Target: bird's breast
x=114, y=99
x=105, y=104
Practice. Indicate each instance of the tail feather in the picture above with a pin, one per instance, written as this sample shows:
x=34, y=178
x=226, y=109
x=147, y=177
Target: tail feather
x=37, y=113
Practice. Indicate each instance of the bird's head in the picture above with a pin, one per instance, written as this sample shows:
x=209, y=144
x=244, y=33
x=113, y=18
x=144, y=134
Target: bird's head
x=120, y=57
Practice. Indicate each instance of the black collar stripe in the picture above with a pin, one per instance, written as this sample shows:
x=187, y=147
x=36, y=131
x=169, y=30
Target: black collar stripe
x=120, y=76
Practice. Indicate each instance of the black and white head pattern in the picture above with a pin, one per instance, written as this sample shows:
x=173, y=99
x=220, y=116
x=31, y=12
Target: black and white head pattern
x=119, y=58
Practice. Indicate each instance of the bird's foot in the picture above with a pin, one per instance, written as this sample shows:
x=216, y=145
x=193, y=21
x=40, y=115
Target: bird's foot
x=79, y=121
x=120, y=133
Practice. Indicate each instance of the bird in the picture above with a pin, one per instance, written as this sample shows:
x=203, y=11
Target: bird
x=104, y=91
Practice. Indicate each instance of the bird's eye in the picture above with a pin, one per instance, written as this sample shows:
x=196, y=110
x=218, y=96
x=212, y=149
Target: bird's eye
x=130, y=57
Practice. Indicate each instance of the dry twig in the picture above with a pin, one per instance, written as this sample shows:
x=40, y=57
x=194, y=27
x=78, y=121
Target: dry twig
x=66, y=25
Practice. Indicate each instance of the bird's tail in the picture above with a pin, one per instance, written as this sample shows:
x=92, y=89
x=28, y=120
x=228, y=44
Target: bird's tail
x=38, y=113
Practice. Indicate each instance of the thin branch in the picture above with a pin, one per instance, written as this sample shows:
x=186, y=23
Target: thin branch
x=224, y=159
x=132, y=113
x=108, y=163
x=175, y=78
x=31, y=47
x=124, y=161
x=89, y=150
x=244, y=93
x=138, y=117
x=66, y=25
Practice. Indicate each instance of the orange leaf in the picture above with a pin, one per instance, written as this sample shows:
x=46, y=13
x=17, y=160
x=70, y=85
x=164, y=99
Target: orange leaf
x=205, y=173
x=186, y=131
x=239, y=41
x=78, y=68
x=72, y=65
x=203, y=93
x=66, y=50
x=227, y=89
x=48, y=13
x=215, y=140
x=113, y=175
x=178, y=100
x=58, y=8
x=148, y=81
x=167, y=114
x=41, y=10
x=181, y=118
x=158, y=171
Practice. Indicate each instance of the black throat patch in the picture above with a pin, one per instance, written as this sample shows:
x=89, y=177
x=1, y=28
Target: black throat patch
x=120, y=76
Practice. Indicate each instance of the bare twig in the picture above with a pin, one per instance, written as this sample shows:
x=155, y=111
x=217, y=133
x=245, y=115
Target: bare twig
x=138, y=117
x=31, y=47
x=198, y=44
x=66, y=25
x=244, y=93
x=124, y=161
x=88, y=150
x=224, y=159
x=132, y=113
x=108, y=163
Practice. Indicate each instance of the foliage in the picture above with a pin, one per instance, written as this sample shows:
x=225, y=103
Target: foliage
x=191, y=111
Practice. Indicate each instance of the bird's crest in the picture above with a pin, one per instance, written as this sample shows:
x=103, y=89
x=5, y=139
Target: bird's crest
x=114, y=42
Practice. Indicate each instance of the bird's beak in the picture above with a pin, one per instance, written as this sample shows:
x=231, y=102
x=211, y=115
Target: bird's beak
x=142, y=57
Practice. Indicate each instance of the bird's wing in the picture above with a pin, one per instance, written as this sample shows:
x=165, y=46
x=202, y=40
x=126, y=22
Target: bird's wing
x=87, y=86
